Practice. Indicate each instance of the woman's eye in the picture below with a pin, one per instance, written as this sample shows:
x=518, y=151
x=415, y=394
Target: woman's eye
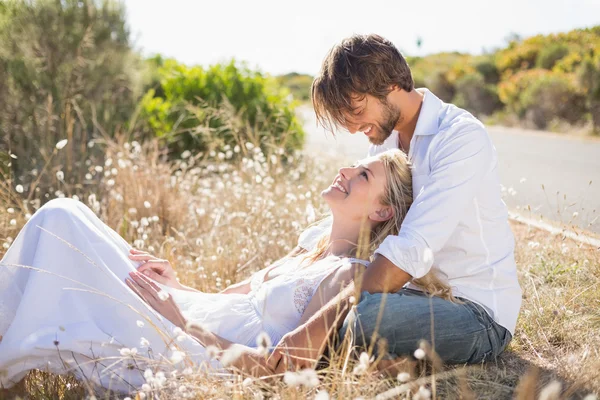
x=365, y=175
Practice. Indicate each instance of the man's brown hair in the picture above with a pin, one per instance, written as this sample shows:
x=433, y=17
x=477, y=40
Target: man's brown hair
x=358, y=65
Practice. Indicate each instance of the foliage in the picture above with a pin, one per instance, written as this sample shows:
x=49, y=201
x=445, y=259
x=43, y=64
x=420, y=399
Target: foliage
x=200, y=110
x=540, y=95
x=589, y=80
x=298, y=84
x=473, y=94
x=66, y=72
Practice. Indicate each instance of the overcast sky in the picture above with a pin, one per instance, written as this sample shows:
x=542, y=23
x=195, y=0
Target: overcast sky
x=278, y=36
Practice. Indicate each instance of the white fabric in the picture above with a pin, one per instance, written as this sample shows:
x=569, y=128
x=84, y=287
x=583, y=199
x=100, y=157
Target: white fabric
x=458, y=223
x=73, y=306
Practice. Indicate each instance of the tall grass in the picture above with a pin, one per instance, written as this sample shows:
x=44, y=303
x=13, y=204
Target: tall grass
x=219, y=218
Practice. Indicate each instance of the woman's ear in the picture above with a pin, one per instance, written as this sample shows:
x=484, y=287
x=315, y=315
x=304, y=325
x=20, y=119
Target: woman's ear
x=382, y=214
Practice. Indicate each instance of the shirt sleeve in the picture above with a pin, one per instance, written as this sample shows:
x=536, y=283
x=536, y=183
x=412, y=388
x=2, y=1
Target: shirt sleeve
x=459, y=163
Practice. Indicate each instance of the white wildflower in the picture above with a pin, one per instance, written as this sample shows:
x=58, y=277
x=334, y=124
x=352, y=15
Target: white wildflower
x=575, y=214
x=177, y=331
x=419, y=354
x=61, y=144
x=212, y=351
x=177, y=356
x=144, y=342
x=146, y=387
x=187, y=371
x=148, y=374
x=263, y=341
x=139, y=323
x=247, y=382
x=186, y=154
x=13, y=222
x=363, y=364
x=522, y=180
x=322, y=395
x=422, y=394
x=19, y=188
x=403, y=377
x=125, y=352
x=307, y=377
x=232, y=353
x=159, y=379
x=147, y=204
x=60, y=175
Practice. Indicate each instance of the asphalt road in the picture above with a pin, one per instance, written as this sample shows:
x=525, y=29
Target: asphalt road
x=544, y=175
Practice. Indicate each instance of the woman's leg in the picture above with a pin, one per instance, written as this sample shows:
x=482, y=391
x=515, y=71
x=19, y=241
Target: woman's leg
x=460, y=333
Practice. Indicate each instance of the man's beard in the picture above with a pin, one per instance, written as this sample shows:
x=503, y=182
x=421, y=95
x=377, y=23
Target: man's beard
x=391, y=116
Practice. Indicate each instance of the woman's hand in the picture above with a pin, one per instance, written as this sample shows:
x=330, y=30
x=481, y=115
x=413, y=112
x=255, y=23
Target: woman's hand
x=156, y=298
x=158, y=269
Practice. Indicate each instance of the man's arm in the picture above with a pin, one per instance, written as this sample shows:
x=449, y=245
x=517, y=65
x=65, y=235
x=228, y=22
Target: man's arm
x=304, y=345
x=459, y=164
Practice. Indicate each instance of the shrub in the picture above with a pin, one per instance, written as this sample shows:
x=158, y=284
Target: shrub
x=298, y=84
x=551, y=54
x=474, y=95
x=201, y=110
x=589, y=80
x=551, y=96
x=66, y=72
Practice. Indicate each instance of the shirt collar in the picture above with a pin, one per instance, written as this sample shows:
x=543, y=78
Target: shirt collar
x=427, y=123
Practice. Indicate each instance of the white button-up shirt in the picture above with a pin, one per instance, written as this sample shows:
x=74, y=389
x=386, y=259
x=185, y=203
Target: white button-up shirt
x=458, y=222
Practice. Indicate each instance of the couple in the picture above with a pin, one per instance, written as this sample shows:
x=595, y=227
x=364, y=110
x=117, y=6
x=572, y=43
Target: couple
x=442, y=250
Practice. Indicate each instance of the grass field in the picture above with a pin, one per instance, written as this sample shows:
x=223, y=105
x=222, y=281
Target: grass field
x=219, y=221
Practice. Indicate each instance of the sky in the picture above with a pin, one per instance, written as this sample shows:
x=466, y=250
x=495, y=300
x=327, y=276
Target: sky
x=279, y=36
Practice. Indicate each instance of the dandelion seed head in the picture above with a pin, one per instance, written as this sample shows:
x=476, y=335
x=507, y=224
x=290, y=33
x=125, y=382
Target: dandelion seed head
x=177, y=356
x=403, y=377
x=61, y=144
x=419, y=354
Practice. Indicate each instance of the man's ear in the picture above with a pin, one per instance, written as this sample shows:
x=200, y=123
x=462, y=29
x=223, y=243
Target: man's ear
x=382, y=214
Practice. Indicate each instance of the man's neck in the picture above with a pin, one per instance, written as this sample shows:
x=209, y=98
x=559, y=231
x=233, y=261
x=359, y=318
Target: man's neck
x=410, y=104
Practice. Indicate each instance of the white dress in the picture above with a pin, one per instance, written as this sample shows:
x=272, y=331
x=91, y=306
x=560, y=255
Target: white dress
x=64, y=306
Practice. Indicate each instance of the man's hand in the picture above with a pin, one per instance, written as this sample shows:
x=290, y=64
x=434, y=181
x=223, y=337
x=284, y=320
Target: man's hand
x=382, y=276
x=160, y=301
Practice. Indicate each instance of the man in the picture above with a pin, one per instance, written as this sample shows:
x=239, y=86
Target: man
x=457, y=225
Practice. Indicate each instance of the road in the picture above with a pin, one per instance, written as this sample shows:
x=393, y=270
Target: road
x=544, y=175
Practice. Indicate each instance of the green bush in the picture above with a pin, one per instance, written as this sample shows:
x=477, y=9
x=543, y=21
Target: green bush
x=551, y=54
x=66, y=72
x=474, y=95
x=200, y=110
x=589, y=80
x=552, y=96
x=298, y=84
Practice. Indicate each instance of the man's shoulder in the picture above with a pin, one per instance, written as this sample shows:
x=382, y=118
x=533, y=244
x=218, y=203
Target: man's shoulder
x=454, y=119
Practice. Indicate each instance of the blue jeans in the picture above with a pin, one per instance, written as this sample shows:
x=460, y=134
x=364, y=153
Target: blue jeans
x=463, y=333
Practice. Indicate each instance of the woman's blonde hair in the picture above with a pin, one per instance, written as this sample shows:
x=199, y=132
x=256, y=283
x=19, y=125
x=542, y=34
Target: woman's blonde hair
x=398, y=195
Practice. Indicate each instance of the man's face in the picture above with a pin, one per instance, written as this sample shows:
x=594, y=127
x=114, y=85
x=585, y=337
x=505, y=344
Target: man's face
x=375, y=118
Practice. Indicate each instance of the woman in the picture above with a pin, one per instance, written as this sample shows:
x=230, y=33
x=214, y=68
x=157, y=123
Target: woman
x=71, y=298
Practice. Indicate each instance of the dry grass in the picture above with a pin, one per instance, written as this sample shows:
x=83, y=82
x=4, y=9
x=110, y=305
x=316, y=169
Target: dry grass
x=219, y=221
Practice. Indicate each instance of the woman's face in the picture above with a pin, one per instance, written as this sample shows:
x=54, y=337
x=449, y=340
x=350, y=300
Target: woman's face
x=356, y=190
